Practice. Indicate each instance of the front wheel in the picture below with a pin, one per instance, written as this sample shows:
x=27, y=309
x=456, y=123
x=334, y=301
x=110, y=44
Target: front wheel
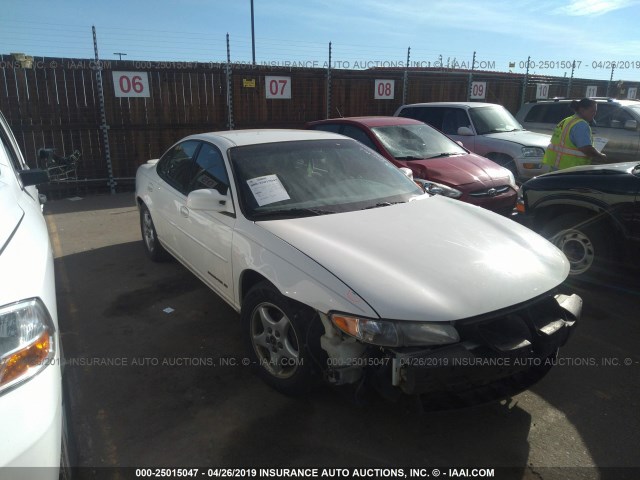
x=583, y=241
x=281, y=345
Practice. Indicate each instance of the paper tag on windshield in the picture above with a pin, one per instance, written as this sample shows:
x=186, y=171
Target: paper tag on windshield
x=267, y=189
x=599, y=143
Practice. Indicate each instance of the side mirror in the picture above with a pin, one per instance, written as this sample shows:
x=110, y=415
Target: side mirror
x=466, y=131
x=209, y=200
x=34, y=176
x=407, y=171
x=631, y=125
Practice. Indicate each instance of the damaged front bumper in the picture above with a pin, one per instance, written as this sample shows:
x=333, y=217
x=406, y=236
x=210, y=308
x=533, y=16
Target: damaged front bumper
x=498, y=355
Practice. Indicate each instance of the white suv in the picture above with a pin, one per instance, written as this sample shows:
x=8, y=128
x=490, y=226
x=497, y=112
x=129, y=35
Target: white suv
x=617, y=121
x=488, y=130
x=30, y=371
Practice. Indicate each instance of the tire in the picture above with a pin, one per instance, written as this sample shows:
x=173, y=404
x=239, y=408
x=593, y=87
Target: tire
x=582, y=239
x=282, y=347
x=152, y=245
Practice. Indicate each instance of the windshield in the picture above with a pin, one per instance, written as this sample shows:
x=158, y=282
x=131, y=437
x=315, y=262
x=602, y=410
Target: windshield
x=494, y=119
x=412, y=142
x=315, y=177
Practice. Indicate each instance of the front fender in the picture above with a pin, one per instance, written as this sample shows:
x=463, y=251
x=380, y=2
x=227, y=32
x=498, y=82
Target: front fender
x=293, y=273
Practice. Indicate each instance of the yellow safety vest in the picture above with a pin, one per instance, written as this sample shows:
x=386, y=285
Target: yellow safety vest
x=561, y=152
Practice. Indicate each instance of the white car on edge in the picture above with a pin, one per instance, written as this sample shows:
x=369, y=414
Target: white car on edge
x=344, y=269
x=30, y=372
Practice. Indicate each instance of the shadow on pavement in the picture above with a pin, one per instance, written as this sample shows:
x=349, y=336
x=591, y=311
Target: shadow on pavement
x=151, y=388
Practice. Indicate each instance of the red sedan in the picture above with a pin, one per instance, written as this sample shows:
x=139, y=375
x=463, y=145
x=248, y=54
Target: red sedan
x=449, y=168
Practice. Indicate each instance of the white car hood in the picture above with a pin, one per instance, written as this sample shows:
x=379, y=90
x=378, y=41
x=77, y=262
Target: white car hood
x=523, y=137
x=434, y=259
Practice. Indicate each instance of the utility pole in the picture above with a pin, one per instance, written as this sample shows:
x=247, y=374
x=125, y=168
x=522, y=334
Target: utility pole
x=120, y=54
x=253, y=37
x=103, y=114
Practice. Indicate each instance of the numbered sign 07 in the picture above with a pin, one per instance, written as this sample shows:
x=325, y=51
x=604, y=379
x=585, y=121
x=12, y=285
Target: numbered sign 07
x=384, y=89
x=278, y=87
x=478, y=90
x=131, y=84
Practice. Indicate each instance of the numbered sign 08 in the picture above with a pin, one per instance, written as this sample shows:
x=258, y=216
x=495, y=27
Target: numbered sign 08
x=384, y=89
x=478, y=90
x=278, y=87
x=131, y=84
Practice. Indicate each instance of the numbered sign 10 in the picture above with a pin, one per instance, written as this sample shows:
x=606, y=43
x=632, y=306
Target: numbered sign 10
x=542, y=91
x=384, y=89
x=592, y=91
x=131, y=84
x=478, y=90
x=278, y=87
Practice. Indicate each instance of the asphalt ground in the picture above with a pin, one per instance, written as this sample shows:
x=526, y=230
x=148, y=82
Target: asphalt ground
x=156, y=379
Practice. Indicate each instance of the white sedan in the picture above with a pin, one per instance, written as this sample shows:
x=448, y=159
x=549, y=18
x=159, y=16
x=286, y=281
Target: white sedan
x=31, y=406
x=343, y=269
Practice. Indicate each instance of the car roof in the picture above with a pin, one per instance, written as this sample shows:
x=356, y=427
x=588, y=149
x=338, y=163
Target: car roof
x=596, y=99
x=453, y=104
x=258, y=136
x=378, y=121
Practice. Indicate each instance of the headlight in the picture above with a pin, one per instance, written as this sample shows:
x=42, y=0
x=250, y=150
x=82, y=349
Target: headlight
x=389, y=333
x=532, y=152
x=27, y=343
x=438, y=189
x=424, y=333
x=377, y=332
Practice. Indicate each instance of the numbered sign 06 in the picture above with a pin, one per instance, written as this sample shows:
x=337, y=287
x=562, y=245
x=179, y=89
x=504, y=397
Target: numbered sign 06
x=131, y=84
x=384, y=89
x=278, y=87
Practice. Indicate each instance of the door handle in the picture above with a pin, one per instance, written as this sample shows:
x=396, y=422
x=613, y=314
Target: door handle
x=184, y=211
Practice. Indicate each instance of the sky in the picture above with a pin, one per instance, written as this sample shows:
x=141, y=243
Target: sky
x=504, y=34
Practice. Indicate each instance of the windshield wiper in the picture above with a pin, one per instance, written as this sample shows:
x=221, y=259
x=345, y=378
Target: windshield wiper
x=443, y=154
x=381, y=204
x=409, y=157
x=292, y=212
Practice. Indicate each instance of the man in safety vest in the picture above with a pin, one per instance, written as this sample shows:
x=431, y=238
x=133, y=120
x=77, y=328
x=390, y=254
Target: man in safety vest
x=572, y=141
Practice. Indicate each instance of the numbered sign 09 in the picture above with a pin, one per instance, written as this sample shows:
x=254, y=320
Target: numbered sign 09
x=478, y=91
x=131, y=84
x=384, y=89
x=278, y=87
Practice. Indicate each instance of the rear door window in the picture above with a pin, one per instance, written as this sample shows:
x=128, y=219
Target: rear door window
x=177, y=167
x=428, y=115
x=359, y=135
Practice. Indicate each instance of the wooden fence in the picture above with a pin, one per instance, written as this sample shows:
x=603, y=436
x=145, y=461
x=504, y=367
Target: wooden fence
x=55, y=103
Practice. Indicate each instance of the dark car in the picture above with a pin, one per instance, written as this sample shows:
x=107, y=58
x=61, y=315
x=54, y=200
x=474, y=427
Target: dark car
x=591, y=213
x=453, y=170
